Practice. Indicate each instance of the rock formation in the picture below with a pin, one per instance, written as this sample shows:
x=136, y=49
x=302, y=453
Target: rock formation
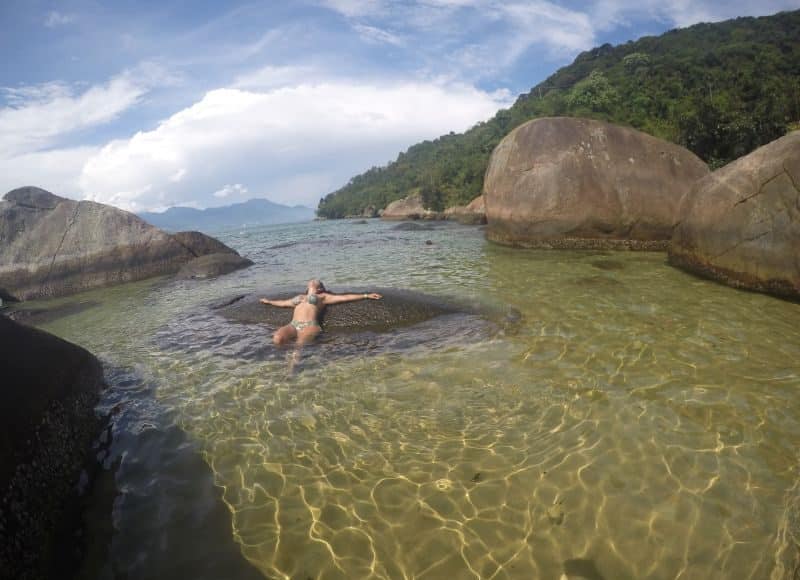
x=48, y=392
x=741, y=224
x=213, y=265
x=397, y=308
x=474, y=213
x=409, y=208
x=52, y=246
x=578, y=183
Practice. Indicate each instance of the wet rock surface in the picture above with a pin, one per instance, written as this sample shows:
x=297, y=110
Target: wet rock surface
x=414, y=227
x=239, y=327
x=212, y=265
x=37, y=316
x=49, y=390
x=396, y=308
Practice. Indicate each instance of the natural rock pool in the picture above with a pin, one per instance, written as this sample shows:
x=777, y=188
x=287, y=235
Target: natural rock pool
x=636, y=422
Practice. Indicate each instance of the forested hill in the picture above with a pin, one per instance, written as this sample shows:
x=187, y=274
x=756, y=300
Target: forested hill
x=720, y=90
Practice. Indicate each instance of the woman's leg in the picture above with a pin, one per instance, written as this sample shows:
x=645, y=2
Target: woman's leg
x=284, y=334
x=308, y=334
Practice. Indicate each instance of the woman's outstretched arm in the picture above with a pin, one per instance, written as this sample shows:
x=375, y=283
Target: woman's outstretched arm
x=341, y=298
x=288, y=303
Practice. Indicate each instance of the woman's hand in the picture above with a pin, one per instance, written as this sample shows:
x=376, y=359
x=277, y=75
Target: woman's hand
x=266, y=301
x=373, y=296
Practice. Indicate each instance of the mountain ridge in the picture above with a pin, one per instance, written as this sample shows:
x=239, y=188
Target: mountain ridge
x=721, y=90
x=253, y=212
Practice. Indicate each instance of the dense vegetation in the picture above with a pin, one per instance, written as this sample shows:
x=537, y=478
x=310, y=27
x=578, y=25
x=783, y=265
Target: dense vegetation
x=721, y=90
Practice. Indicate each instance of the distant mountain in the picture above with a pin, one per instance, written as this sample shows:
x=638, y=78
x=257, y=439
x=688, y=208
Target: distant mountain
x=254, y=212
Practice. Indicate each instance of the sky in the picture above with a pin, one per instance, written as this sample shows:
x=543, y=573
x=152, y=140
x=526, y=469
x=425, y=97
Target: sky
x=148, y=105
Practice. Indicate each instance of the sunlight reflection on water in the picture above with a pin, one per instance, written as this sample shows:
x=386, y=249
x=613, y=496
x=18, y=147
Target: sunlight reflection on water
x=638, y=423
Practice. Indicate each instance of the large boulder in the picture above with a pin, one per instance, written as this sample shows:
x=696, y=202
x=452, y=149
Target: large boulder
x=52, y=246
x=741, y=224
x=199, y=244
x=474, y=213
x=48, y=392
x=577, y=183
x=409, y=208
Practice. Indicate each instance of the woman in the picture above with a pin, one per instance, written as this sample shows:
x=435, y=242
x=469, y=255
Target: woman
x=307, y=308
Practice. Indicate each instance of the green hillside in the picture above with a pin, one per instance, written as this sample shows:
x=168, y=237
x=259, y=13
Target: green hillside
x=721, y=90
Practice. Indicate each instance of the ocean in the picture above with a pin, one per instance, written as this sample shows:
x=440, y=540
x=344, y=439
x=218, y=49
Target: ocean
x=634, y=422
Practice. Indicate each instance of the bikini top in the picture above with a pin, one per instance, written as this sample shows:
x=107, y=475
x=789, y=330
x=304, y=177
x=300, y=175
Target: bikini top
x=313, y=299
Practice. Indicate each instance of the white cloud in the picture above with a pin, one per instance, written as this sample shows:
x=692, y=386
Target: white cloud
x=291, y=144
x=57, y=171
x=561, y=29
x=35, y=117
x=235, y=190
x=54, y=18
x=377, y=35
x=608, y=14
x=484, y=39
x=479, y=38
x=555, y=33
x=272, y=77
x=356, y=8
x=178, y=176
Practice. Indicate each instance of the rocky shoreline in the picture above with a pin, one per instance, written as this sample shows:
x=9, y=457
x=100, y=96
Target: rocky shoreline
x=571, y=183
x=52, y=246
x=50, y=389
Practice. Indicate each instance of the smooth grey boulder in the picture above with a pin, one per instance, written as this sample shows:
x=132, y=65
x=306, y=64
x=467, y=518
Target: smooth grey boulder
x=212, y=265
x=578, y=183
x=51, y=246
x=200, y=244
x=48, y=392
x=741, y=224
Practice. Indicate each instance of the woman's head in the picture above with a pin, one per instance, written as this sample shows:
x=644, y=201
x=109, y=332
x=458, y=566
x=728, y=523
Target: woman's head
x=316, y=286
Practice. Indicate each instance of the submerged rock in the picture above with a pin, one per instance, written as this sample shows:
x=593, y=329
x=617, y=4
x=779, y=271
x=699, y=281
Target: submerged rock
x=579, y=183
x=396, y=308
x=44, y=315
x=240, y=327
x=47, y=399
x=413, y=227
x=608, y=265
x=213, y=265
x=51, y=246
x=741, y=224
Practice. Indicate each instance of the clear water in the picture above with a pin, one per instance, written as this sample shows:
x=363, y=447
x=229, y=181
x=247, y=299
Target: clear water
x=639, y=423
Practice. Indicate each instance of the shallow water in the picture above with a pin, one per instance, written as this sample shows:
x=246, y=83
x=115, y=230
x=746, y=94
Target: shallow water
x=639, y=422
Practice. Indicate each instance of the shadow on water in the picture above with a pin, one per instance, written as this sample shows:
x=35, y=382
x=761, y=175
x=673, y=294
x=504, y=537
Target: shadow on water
x=167, y=505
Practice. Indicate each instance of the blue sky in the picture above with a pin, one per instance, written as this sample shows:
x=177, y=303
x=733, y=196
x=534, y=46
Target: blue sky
x=145, y=105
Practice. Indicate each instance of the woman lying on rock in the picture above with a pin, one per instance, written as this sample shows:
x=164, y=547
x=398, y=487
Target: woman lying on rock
x=304, y=326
